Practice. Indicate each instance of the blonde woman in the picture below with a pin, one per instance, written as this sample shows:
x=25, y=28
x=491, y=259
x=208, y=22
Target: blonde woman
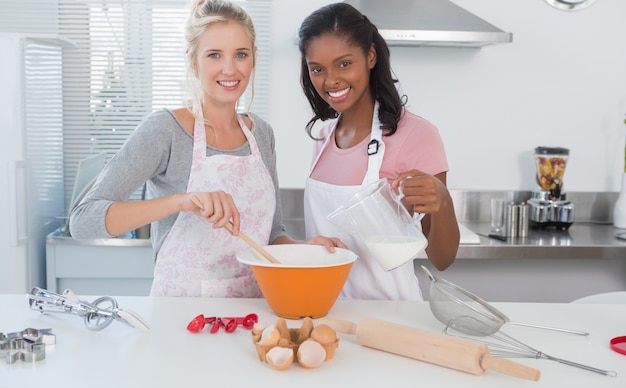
x=208, y=151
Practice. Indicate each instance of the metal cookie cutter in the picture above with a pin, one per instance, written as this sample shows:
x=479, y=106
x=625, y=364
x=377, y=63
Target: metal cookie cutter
x=28, y=345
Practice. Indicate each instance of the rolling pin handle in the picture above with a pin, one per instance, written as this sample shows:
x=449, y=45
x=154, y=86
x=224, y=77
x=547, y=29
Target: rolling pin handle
x=509, y=367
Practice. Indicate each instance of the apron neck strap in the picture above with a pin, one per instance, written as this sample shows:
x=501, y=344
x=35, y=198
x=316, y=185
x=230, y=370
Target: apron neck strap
x=375, y=150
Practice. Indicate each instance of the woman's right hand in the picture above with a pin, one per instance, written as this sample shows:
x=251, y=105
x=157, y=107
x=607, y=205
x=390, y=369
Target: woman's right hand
x=217, y=207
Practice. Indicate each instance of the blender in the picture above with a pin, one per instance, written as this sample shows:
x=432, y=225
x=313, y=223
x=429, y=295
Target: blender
x=548, y=206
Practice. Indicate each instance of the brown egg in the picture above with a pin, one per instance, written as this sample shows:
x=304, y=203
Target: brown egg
x=311, y=354
x=324, y=334
x=279, y=358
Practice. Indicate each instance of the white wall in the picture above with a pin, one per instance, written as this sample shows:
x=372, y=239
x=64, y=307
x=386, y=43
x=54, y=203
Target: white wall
x=561, y=82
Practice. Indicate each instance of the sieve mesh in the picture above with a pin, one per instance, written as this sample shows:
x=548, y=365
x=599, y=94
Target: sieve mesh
x=449, y=303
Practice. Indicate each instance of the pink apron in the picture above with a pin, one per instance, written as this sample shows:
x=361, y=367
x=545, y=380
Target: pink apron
x=197, y=260
x=367, y=280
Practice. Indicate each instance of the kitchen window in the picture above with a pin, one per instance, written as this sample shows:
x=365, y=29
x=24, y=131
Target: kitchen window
x=118, y=61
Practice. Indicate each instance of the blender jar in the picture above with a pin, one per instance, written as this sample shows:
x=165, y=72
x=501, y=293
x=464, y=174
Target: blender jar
x=551, y=162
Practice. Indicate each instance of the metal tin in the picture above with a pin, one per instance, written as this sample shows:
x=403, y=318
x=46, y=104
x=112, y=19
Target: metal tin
x=510, y=220
x=522, y=223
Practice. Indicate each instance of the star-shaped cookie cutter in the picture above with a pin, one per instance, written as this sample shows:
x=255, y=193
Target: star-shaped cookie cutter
x=28, y=345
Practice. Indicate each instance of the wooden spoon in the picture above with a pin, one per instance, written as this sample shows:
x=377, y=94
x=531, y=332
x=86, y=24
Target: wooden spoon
x=243, y=236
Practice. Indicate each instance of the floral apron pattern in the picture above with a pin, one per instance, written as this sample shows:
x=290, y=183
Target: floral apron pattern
x=197, y=260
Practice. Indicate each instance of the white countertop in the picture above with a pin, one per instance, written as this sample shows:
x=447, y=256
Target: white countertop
x=170, y=356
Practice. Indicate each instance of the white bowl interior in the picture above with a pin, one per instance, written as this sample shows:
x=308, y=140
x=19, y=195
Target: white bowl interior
x=298, y=255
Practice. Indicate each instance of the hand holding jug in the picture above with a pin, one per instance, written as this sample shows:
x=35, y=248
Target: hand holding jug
x=380, y=220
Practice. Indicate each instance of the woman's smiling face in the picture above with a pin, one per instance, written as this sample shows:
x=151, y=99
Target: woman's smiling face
x=225, y=61
x=339, y=71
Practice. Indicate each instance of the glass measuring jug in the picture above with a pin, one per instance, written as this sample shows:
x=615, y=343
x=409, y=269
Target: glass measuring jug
x=379, y=219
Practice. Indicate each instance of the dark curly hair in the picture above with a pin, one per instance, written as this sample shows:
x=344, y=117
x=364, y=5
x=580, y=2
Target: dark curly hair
x=347, y=22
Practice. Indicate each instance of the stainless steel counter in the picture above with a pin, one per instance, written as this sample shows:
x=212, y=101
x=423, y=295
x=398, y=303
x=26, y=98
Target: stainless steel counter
x=592, y=235
x=581, y=241
x=586, y=259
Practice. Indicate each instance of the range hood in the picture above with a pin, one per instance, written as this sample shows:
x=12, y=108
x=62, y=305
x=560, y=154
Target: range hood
x=429, y=23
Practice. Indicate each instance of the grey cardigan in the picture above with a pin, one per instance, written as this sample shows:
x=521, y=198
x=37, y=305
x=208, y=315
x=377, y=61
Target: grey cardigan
x=159, y=152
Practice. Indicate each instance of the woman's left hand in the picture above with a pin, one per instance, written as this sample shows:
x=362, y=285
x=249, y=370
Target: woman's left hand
x=424, y=192
x=329, y=242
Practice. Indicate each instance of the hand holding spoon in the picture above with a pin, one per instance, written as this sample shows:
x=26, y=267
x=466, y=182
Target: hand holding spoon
x=243, y=236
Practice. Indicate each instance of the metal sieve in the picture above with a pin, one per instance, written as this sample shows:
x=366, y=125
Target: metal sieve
x=449, y=302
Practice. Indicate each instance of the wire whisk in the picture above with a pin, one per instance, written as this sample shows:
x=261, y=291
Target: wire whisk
x=503, y=345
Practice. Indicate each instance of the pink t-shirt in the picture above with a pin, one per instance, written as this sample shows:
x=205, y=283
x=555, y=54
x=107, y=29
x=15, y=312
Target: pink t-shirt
x=415, y=145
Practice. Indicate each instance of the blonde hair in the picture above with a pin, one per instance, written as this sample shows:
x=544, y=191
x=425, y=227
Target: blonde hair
x=203, y=14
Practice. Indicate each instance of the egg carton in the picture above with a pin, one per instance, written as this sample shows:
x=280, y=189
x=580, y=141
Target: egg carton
x=292, y=338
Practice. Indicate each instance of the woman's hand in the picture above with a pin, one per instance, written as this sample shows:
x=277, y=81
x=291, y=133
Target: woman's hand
x=329, y=242
x=429, y=195
x=424, y=192
x=217, y=207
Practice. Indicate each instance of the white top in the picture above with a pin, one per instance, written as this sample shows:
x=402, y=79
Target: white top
x=170, y=356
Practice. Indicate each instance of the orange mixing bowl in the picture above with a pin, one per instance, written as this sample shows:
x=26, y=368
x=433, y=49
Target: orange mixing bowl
x=307, y=281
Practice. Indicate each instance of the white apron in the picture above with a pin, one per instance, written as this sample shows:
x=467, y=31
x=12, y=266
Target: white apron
x=197, y=260
x=367, y=279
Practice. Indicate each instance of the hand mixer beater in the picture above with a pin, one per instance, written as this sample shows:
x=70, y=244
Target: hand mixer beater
x=97, y=314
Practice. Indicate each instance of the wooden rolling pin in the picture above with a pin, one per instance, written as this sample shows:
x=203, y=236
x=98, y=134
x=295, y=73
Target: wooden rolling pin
x=435, y=348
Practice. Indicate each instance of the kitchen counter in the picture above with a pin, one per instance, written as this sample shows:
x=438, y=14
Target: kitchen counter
x=585, y=259
x=546, y=266
x=592, y=235
x=170, y=356
x=580, y=241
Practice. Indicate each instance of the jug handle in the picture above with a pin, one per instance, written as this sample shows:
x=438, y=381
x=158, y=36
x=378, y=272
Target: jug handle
x=417, y=217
